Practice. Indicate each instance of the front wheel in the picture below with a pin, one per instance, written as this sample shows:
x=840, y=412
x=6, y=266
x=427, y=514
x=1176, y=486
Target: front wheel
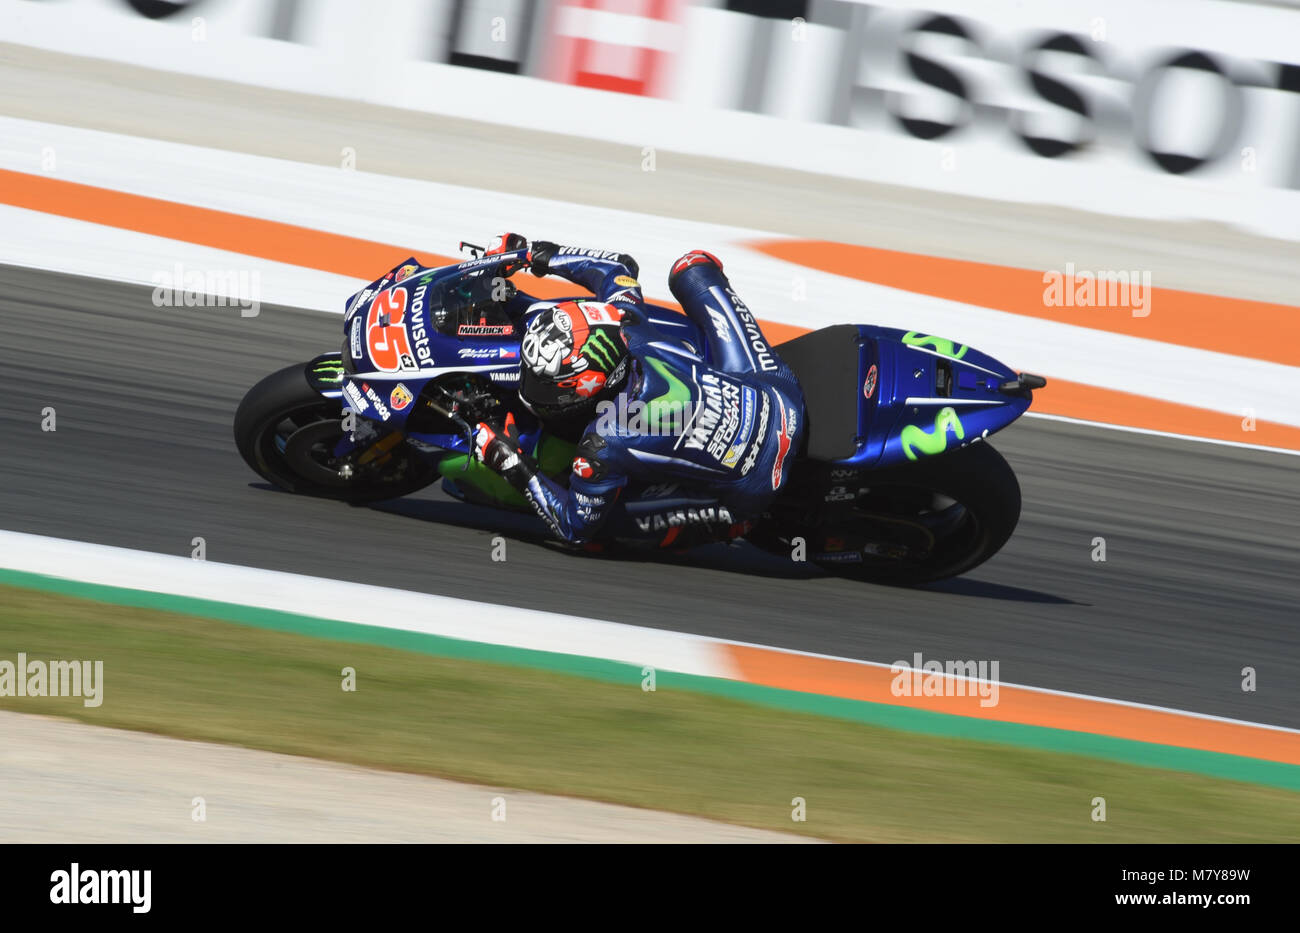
x=287, y=432
x=913, y=524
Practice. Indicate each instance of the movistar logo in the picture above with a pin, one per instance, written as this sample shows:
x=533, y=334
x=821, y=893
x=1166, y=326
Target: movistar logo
x=935, y=442
x=600, y=348
x=941, y=345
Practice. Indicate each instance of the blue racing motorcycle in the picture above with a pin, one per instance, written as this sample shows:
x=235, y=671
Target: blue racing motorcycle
x=894, y=483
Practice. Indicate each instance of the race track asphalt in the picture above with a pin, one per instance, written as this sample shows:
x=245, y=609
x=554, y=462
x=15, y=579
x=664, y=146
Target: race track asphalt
x=1202, y=542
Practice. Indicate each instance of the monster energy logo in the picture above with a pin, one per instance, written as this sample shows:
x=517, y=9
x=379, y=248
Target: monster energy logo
x=932, y=442
x=328, y=371
x=600, y=349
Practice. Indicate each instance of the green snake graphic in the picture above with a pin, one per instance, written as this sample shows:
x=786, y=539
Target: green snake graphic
x=932, y=442
x=941, y=345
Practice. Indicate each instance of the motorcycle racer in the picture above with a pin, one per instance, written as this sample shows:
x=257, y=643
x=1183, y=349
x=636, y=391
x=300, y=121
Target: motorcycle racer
x=647, y=408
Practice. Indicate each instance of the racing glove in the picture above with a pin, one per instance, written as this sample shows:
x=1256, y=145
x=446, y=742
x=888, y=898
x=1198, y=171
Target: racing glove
x=497, y=446
x=540, y=255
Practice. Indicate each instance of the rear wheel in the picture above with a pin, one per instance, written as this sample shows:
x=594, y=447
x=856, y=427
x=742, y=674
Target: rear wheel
x=926, y=521
x=287, y=433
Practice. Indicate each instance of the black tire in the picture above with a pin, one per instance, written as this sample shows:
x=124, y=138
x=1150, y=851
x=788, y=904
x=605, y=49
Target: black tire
x=285, y=430
x=987, y=508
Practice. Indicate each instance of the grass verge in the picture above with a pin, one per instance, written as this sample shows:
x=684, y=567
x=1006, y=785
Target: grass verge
x=671, y=749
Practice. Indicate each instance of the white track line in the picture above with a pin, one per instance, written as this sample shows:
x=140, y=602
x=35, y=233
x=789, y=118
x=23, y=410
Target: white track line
x=1169, y=434
x=361, y=604
x=446, y=616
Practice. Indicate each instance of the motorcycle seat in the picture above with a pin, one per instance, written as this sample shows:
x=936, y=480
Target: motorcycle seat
x=826, y=362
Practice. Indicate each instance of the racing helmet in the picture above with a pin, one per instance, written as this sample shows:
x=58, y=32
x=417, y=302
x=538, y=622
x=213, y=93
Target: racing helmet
x=573, y=357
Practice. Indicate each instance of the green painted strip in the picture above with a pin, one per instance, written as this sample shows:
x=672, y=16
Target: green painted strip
x=902, y=718
x=276, y=620
x=908, y=719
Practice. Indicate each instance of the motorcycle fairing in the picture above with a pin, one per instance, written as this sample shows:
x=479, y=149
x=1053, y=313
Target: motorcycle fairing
x=914, y=395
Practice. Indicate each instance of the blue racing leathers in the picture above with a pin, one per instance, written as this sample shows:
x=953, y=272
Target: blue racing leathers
x=723, y=434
